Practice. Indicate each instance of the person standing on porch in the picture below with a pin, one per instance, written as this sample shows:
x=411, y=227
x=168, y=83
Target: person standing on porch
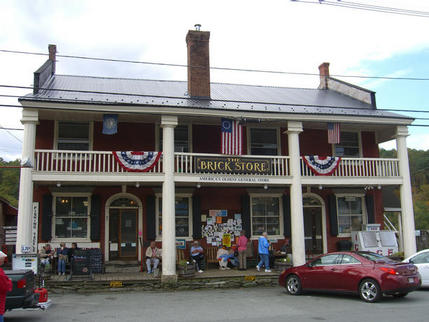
x=153, y=256
x=5, y=286
x=197, y=254
x=242, y=246
x=63, y=255
x=263, y=250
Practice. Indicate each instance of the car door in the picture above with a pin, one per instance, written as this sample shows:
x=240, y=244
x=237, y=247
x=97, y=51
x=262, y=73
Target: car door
x=346, y=275
x=319, y=273
x=422, y=262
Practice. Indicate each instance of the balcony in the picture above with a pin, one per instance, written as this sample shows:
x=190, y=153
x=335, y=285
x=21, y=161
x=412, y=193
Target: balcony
x=190, y=167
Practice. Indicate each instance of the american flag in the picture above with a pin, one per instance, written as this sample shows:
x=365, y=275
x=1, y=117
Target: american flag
x=232, y=133
x=333, y=133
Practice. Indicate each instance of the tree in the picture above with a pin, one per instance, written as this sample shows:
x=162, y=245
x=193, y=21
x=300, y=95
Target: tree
x=9, y=181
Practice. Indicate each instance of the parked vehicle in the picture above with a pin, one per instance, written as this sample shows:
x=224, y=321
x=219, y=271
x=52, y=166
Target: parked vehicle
x=421, y=260
x=22, y=294
x=368, y=274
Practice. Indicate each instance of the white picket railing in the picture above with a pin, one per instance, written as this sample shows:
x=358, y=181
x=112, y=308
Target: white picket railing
x=185, y=163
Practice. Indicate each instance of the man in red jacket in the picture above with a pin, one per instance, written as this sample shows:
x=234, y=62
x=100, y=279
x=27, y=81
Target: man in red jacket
x=5, y=286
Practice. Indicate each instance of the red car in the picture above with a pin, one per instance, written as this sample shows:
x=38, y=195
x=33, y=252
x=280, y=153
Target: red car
x=368, y=274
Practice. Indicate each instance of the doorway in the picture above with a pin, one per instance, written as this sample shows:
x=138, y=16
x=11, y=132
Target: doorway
x=123, y=243
x=313, y=230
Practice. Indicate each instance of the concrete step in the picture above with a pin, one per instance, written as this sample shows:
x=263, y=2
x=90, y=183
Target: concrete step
x=122, y=267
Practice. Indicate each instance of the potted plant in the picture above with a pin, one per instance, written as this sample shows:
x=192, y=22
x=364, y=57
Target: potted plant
x=185, y=269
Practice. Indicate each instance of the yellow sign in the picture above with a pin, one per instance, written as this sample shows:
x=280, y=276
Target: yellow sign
x=226, y=240
x=233, y=165
x=116, y=284
x=249, y=278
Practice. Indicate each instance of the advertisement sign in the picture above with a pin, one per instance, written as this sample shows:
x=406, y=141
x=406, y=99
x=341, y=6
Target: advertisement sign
x=34, y=227
x=232, y=165
x=25, y=261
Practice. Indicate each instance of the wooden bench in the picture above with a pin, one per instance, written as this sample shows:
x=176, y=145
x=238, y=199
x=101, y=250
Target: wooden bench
x=180, y=255
x=210, y=255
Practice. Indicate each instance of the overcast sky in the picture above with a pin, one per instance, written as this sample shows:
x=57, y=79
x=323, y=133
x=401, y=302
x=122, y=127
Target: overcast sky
x=270, y=35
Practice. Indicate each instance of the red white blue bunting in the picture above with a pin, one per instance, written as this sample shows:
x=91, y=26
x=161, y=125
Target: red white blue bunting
x=322, y=166
x=137, y=161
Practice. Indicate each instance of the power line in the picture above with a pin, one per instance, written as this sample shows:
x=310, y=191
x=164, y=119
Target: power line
x=369, y=7
x=215, y=68
x=11, y=128
x=10, y=133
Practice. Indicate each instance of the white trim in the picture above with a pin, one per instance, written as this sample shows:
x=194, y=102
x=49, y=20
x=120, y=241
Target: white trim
x=54, y=238
x=248, y=135
x=139, y=221
x=364, y=211
x=323, y=207
x=158, y=196
x=267, y=195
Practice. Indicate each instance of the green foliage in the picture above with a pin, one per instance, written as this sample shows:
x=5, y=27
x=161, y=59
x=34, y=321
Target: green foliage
x=421, y=207
x=9, y=181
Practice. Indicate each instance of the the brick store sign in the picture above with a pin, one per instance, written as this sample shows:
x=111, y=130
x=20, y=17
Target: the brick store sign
x=233, y=165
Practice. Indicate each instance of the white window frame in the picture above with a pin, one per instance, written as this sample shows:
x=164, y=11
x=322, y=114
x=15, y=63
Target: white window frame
x=268, y=195
x=158, y=128
x=249, y=138
x=364, y=212
x=359, y=134
x=158, y=196
x=90, y=134
x=56, y=239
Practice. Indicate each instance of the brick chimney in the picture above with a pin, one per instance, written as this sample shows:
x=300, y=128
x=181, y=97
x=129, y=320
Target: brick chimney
x=198, y=63
x=324, y=75
x=53, y=56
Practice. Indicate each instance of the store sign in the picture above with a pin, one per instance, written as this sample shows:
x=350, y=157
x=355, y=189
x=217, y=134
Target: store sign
x=233, y=165
x=34, y=227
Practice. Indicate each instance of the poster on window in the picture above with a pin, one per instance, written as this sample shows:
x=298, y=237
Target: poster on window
x=226, y=240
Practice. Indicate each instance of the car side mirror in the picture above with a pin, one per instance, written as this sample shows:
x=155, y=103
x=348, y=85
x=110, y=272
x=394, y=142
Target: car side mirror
x=411, y=261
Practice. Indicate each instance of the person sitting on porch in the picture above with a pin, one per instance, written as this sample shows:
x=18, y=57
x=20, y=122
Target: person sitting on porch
x=197, y=254
x=222, y=257
x=153, y=256
x=72, y=250
x=46, y=255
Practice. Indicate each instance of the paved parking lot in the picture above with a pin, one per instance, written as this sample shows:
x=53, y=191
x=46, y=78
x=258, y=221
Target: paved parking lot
x=253, y=304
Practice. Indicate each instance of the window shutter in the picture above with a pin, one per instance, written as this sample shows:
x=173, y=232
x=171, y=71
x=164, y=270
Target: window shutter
x=369, y=202
x=245, y=214
x=286, y=216
x=333, y=220
x=95, y=217
x=196, y=217
x=47, y=217
x=150, y=218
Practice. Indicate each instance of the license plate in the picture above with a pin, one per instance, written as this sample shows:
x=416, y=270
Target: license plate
x=410, y=279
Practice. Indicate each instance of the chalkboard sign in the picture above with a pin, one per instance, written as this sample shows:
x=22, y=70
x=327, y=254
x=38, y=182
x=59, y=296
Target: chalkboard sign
x=96, y=260
x=80, y=263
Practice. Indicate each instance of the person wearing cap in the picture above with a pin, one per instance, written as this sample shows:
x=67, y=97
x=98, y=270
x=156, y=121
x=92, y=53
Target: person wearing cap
x=5, y=286
x=197, y=254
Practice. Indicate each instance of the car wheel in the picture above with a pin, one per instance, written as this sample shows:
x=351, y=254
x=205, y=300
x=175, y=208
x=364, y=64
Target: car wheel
x=400, y=295
x=293, y=285
x=369, y=290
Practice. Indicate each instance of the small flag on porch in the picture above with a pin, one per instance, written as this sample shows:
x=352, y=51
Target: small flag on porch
x=110, y=124
x=232, y=133
x=333, y=133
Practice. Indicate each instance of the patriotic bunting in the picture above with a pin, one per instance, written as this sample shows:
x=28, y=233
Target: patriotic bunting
x=137, y=161
x=322, y=166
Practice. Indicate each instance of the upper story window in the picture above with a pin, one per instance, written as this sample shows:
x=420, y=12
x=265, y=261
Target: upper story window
x=181, y=138
x=349, y=145
x=71, y=216
x=350, y=210
x=263, y=141
x=73, y=136
x=266, y=215
x=183, y=216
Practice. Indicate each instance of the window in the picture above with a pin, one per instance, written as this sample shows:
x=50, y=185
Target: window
x=263, y=141
x=71, y=216
x=348, y=146
x=333, y=259
x=183, y=217
x=181, y=138
x=421, y=258
x=347, y=260
x=350, y=213
x=266, y=215
x=73, y=136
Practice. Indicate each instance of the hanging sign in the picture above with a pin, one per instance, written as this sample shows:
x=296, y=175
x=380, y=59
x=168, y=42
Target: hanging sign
x=322, y=166
x=233, y=165
x=137, y=161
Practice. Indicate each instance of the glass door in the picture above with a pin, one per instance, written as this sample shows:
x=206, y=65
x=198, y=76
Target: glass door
x=123, y=233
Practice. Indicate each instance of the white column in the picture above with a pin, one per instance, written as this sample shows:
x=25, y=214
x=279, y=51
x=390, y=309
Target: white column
x=29, y=119
x=168, y=123
x=408, y=228
x=296, y=207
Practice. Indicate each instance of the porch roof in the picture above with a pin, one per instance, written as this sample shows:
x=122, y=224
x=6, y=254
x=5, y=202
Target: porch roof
x=229, y=97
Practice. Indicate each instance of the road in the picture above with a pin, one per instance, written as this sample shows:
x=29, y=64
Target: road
x=252, y=305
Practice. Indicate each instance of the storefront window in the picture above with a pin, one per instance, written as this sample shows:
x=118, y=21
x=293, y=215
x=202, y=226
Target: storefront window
x=350, y=213
x=266, y=215
x=73, y=136
x=71, y=217
x=263, y=141
x=182, y=216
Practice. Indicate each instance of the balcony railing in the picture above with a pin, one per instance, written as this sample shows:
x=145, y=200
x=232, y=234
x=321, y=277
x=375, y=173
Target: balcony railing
x=103, y=162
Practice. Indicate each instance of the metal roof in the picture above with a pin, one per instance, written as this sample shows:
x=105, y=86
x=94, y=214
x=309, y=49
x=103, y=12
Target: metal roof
x=141, y=92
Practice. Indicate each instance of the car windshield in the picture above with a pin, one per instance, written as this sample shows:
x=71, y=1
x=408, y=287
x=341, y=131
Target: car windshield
x=374, y=257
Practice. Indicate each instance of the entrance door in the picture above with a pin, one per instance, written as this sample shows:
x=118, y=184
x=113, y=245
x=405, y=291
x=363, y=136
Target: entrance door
x=313, y=230
x=123, y=233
